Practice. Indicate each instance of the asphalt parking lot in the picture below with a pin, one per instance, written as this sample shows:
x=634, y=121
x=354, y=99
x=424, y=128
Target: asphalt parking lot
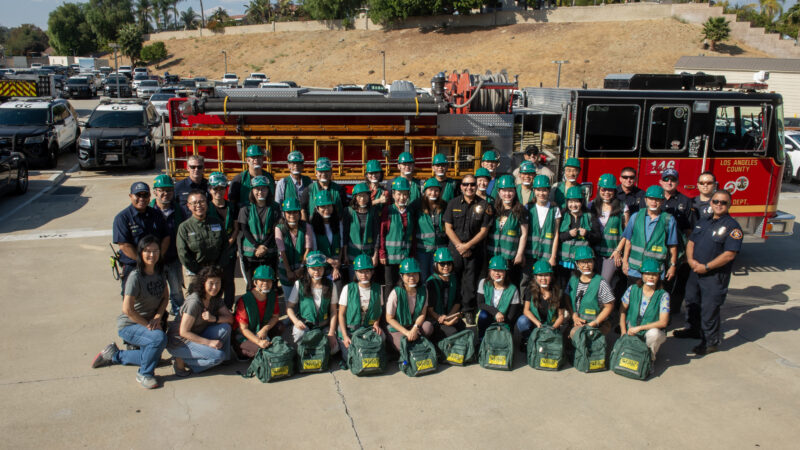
x=60, y=304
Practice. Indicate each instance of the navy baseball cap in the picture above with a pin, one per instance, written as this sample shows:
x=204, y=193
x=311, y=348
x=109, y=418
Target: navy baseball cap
x=669, y=172
x=139, y=187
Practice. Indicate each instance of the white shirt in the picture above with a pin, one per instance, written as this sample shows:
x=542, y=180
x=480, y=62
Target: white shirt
x=499, y=293
x=541, y=212
x=316, y=294
x=363, y=294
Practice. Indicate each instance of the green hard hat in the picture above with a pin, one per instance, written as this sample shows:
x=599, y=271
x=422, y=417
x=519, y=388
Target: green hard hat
x=290, y=205
x=506, y=182
x=541, y=181
x=217, y=179
x=362, y=262
x=574, y=193
x=323, y=198
x=323, y=164
x=527, y=167
x=405, y=158
x=442, y=255
x=253, y=151
x=607, y=181
x=439, y=159
x=315, y=259
x=264, y=273
x=360, y=188
x=542, y=266
x=259, y=181
x=374, y=165
x=401, y=184
x=498, y=263
x=482, y=172
x=650, y=265
x=573, y=162
x=295, y=157
x=409, y=265
x=431, y=182
x=163, y=181
x=583, y=252
x=655, y=191
x=491, y=155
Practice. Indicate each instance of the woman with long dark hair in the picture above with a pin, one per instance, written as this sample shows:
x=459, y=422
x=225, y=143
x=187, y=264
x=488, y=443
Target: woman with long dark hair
x=406, y=306
x=430, y=226
x=379, y=194
x=329, y=235
x=611, y=216
x=509, y=232
x=544, y=302
x=257, y=222
x=361, y=227
x=577, y=230
x=444, y=305
x=498, y=298
x=294, y=238
x=312, y=303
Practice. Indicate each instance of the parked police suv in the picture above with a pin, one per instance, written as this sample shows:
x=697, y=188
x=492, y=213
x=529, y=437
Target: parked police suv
x=38, y=127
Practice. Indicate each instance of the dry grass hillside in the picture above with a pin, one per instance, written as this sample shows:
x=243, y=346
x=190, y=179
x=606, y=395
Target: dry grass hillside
x=332, y=57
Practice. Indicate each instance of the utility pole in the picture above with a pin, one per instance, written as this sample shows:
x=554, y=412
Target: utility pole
x=559, y=62
x=115, y=46
x=226, y=61
x=383, y=80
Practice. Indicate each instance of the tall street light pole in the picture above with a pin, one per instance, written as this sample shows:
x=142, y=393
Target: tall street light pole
x=559, y=62
x=226, y=60
x=383, y=54
x=115, y=46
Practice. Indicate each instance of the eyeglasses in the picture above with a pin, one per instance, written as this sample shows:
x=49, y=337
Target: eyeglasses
x=142, y=194
x=468, y=184
x=197, y=203
x=705, y=183
x=627, y=177
x=195, y=167
x=720, y=202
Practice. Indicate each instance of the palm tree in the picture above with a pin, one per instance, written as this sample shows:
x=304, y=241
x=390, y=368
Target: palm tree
x=163, y=6
x=792, y=18
x=771, y=8
x=189, y=19
x=716, y=29
x=220, y=15
x=175, y=12
x=202, y=14
x=143, y=11
x=258, y=11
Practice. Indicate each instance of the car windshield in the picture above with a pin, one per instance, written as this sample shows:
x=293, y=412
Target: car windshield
x=189, y=83
x=148, y=83
x=23, y=116
x=160, y=97
x=201, y=79
x=117, y=119
x=140, y=76
x=252, y=83
x=77, y=81
x=113, y=80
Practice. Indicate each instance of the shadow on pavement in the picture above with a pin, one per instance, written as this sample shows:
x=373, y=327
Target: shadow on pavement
x=757, y=324
x=60, y=202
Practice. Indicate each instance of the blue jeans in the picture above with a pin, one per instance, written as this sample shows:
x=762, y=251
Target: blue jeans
x=175, y=281
x=484, y=320
x=199, y=357
x=525, y=328
x=425, y=260
x=151, y=344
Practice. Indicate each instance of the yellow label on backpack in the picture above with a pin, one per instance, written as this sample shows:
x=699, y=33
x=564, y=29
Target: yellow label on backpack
x=312, y=364
x=456, y=358
x=550, y=363
x=597, y=364
x=629, y=364
x=424, y=364
x=370, y=363
x=497, y=360
x=279, y=371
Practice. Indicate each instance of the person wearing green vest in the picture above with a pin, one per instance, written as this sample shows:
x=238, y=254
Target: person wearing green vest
x=558, y=194
x=430, y=228
x=490, y=161
x=591, y=299
x=405, y=162
x=239, y=192
x=257, y=314
x=294, y=238
x=525, y=190
x=509, y=233
x=379, y=191
x=645, y=308
x=577, y=229
x=312, y=303
x=360, y=303
x=482, y=178
x=324, y=183
x=442, y=288
x=498, y=299
x=396, y=233
x=545, y=220
x=223, y=210
x=257, y=220
x=651, y=233
x=361, y=227
x=296, y=183
x=611, y=216
x=450, y=187
x=164, y=202
x=329, y=236
x=406, y=306
x=544, y=303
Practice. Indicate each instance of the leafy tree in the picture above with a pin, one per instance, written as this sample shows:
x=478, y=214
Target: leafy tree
x=189, y=19
x=163, y=8
x=26, y=38
x=175, y=12
x=130, y=41
x=716, y=29
x=390, y=11
x=220, y=15
x=258, y=11
x=789, y=22
x=331, y=9
x=3, y=34
x=105, y=17
x=771, y=8
x=69, y=32
x=144, y=10
x=154, y=52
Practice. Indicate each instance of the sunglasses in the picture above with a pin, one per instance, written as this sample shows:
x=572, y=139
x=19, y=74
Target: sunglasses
x=627, y=177
x=720, y=202
x=670, y=180
x=142, y=194
x=468, y=184
x=195, y=167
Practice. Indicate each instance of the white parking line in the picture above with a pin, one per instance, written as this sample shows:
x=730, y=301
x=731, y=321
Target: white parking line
x=56, y=234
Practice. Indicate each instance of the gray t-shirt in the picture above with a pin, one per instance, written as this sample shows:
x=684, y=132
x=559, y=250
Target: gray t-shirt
x=193, y=306
x=147, y=291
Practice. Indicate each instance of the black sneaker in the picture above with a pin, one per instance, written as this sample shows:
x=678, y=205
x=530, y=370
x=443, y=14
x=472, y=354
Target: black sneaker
x=686, y=333
x=469, y=319
x=701, y=350
x=105, y=357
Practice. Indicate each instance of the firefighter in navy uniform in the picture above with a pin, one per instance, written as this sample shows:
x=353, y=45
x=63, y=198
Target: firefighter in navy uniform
x=710, y=252
x=680, y=207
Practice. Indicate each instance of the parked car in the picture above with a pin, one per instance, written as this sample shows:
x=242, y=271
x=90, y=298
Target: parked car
x=126, y=70
x=259, y=76
x=80, y=87
x=140, y=70
x=375, y=87
x=230, y=79
x=138, y=78
x=347, y=88
x=13, y=171
x=159, y=101
x=39, y=127
x=791, y=123
x=291, y=84
x=281, y=85
x=147, y=88
x=117, y=80
x=252, y=82
x=791, y=168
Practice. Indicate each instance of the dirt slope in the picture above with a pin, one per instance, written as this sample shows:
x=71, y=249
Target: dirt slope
x=328, y=58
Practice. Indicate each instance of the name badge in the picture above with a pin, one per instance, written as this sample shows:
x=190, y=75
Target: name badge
x=657, y=248
x=591, y=312
x=216, y=227
x=548, y=235
x=325, y=317
x=512, y=232
x=613, y=231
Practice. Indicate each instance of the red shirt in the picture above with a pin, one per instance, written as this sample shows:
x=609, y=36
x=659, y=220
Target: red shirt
x=386, y=222
x=241, y=311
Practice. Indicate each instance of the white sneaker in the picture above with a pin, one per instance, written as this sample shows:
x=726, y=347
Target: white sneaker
x=147, y=381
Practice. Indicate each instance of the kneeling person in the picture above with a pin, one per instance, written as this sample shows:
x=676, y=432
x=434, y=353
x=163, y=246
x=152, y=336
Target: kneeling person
x=311, y=302
x=588, y=293
x=257, y=314
x=444, y=307
x=360, y=304
x=645, y=308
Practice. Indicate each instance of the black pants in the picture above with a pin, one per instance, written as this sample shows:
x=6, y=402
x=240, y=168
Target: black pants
x=442, y=331
x=391, y=276
x=705, y=294
x=249, y=265
x=229, y=289
x=677, y=287
x=467, y=270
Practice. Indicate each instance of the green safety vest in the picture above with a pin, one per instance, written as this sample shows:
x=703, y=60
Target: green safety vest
x=590, y=307
x=294, y=252
x=403, y=314
x=361, y=241
x=245, y=187
x=612, y=234
x=541, y=239
x=254, y=321
x=309, y=311
x=330, y=249
x=655, y=247
x=229, y=219
x=505, y=241
x=505, y=297
x=651, y=313
x=448, y=189
x=430, y=233
x=531, y=200
x=259, y=230
x=444, y=303
x=568, y=247
x=560, y=194
x=415, y=193
x=332, y=190
x=552, y=314
x=290, y=190
x=354, y=315
x=398, y=239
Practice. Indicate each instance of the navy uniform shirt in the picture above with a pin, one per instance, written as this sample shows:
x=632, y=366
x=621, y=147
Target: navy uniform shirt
x=701, y=210
x=467, y=219
x=680, y=206
x=633, y=201
x=131, y=225
x=712, y=237
x=185, y=186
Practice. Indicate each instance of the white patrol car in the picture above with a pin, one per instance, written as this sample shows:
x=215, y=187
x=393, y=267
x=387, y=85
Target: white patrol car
x=121, y=133
x=39, y=127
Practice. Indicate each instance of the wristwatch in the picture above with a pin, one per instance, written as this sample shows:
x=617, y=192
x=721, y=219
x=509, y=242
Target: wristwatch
x=707, y=269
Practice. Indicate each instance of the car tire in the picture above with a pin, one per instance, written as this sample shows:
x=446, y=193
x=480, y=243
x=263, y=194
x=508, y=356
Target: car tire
x=788, y=171
x=52, y=157
x=22, y=180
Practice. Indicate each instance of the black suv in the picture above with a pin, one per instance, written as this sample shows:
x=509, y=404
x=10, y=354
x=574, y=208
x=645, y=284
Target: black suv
x=121, y=133
x=114, y=80
x=39, y=127
x=82, y=87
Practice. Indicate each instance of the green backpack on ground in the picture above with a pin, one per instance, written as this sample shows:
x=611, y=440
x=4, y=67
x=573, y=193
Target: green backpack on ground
x=458, y=349
x=417, y=357
x=631, y=357
x=272, y=363
x=313, y=352
x=545, y=349
x=590, y=350
x=366, y=355
x=497, y=348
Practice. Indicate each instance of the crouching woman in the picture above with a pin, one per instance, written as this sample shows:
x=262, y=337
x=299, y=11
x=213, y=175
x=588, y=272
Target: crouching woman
x=645, y=308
